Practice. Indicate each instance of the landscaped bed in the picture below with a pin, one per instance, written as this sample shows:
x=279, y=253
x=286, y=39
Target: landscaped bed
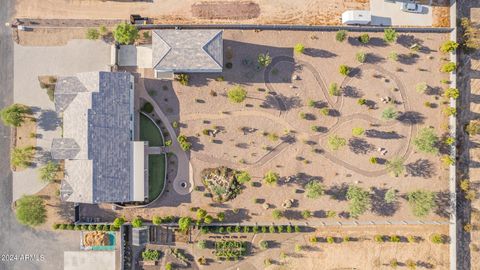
x=150, y=132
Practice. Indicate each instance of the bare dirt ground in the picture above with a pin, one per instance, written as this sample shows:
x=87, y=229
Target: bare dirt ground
x=307, y=157
x=57, y=211
x=313, y=12
x=50, y=37
x=362, y=252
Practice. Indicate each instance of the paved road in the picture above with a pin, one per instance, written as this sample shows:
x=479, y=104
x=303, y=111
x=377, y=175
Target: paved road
x=16, y=239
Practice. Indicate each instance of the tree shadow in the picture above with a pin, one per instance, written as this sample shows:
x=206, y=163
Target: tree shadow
x=374, y=58
x=338, y=192
x=196, y=145
x=443, y=204
x=387, y=135
x=420, y=168
x=411, y=118
x=292, y=214
x=408, y=59
x=48, y=120
x=360, y=146
x=379, y=205
x=313, y=52
x=352, y=92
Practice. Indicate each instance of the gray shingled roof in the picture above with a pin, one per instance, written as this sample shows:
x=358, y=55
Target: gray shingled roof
x=187, y=50
x=98, y=131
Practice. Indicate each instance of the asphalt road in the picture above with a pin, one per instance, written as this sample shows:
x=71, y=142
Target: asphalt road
x=15, y=239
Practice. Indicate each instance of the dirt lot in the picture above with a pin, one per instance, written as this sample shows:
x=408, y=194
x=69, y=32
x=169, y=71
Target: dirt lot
x=195, y=11
x=307, y=157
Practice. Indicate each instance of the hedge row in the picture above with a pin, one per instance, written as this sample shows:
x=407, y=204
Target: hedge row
x=251, y=229
x=91, y=227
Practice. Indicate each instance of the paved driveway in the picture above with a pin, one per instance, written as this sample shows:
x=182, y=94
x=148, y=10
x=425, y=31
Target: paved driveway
x=387, y=12
x=30, y=62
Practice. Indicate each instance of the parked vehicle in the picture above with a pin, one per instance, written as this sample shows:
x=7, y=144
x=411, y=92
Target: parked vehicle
x=356, y=17
x=412, y=7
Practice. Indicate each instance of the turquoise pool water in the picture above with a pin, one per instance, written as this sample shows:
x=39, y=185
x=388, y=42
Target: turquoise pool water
x=111, y=237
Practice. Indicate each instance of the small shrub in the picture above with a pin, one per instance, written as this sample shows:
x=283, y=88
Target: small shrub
x=147, y=107
x=92, y=34
x=311, y=103
x=263, y=244
x=393, y=263
x=361, y=57
x=237, y=94
x=335, y=142
x=313, y=239
x=411, y=239
x=373, y=160
x=341, y=35
x=137, y=222
x=465, y=185
x=344, y=70
x=297, y=229
x=331, y=214
x=358, y=131
x=411, y=264
x=271, y=229
x=450, y=111
x=394, y=239
x=299, y=48
x=364, y=38
x=271, y=178
x=264, y=59
x=314, y=189
x=325, y=111
x=298, y=248
x=389, y=35
x=448, y=46
x=361, y=101
x=277, y=214
x=378, y=238
x=393, y=56
x=330, y=240
x=421, y=87
x=306, y=214
x=183, y=79
x=334, y=90
x=447, y=160
x=448, y=67
x=389, y=114
x=346, y=239
x=184, y=143
x=452, y=93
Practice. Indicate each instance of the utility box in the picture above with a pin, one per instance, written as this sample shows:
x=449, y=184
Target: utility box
x=357, y=17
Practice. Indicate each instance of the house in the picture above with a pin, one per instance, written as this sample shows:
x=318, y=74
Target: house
x=103, y=162
x=186, y=51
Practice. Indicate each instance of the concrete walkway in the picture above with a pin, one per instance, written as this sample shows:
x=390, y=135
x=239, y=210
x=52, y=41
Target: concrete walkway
x=184, y=168
x=31, y=62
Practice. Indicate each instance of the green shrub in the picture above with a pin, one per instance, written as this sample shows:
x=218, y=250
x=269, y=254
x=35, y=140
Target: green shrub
x=184, y=143
x=395, y=166
x=330, y=240
x=325, y=111
x=450, y=111
x=334, y=90
x=361, y=101
x=393, y=56
x=182, y=78
x=277, y=214
x=30, y=210
x=92, y=34
x=202, y=244
x=448, y=46
x=297, y=229
x=421, y=87
x=313, y=239
x=184, y=224
x=373, y=160
x=48, y=172
x=378, y=238
x=448, y=67
x=335, y=142
x=147, y=107
x=421, y=202
x=271, y=177
x=359, y=200
x=237, y=94
x=314, y=189
x=389, y=35
x=306, y=214
x=271, y=229
x=344, y=70
x=299, y=48
x=14, y=115
x=358, y=131
x=341, y=35
x=263, y=244
x=264, y=59
x=394, y=238
x=361, y=57
x=389, y=113
x=437, y=238
x=452, y=93
x=426, y=141
x=125, y=33
x=364, y=38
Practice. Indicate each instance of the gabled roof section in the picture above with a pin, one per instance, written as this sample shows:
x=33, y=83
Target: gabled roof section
x=187, y=50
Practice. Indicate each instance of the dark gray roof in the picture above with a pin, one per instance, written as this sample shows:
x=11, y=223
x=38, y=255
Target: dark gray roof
x=98, y=130
x=187, y=50
x=110, y=136
x=64, y=148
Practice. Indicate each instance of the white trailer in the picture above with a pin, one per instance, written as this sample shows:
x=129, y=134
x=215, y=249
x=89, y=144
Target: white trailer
x=353, y=17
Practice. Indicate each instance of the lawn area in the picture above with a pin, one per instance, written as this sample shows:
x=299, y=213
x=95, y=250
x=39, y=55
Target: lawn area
x=150, y=132
x=156, y=175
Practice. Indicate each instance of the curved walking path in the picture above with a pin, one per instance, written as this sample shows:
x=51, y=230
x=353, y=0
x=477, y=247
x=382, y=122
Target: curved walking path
x=184, y=168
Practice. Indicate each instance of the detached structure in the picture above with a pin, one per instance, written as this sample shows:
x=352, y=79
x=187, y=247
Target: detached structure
x=103, y=163
x=186, y=51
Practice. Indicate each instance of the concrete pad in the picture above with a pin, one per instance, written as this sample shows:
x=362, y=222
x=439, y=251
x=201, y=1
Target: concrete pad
x=135, y=56
x=31, y=62
x=388, y=12
x=91, y=260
